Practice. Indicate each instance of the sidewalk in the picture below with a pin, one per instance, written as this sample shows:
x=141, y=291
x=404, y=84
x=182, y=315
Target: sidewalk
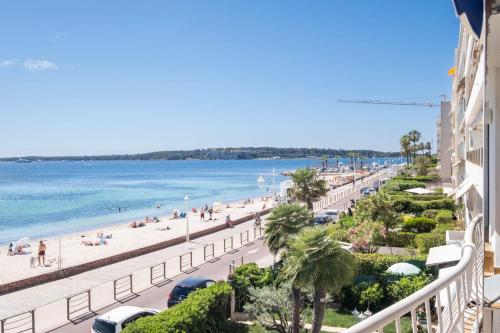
x=100, y=280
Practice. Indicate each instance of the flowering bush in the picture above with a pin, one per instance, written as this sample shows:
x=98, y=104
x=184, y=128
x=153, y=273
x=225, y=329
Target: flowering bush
x=364, y=236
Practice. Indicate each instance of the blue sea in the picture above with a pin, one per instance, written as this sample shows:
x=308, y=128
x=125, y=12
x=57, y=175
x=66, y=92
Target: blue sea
x=42, y=199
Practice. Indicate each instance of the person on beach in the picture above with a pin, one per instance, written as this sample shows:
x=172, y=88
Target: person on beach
x=41, y=253
x=210, y=212
x=202, y=215
x=206, y=207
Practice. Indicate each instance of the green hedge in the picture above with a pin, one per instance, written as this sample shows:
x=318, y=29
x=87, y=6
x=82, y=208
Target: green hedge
x=431, y=239
x=419, y=224
x=204, y=310
x=444, y=216
x=417, y=197
x=417, y=207
x=400, y=239
x=426, y=179
x=377, y=264
x=246, y=276
x=430, y=213
x=401, y=185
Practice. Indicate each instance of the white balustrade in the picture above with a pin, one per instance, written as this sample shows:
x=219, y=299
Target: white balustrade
x=449, y=304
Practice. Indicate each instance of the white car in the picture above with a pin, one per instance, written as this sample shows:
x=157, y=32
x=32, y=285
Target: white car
x=117, y=319
x=333, y=213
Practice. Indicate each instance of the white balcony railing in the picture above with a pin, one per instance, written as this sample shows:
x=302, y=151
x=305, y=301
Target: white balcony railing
x=449, y=304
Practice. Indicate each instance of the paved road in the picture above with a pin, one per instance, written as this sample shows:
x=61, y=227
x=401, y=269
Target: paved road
x=156, y=297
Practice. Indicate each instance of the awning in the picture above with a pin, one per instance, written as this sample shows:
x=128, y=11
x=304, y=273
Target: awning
x=464, y=187
x=457, y=163
x=471, y=14
x=444, y=254
x=419, y=190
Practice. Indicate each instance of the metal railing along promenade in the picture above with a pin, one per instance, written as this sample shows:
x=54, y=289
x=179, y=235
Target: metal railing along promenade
x=347, y=191
x=449, y=304
x=83, y=304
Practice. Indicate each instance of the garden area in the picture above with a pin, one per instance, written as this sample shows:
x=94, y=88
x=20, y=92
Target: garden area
x=319, y=282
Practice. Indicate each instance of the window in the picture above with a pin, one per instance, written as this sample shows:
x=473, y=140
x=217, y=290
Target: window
x=134, y=318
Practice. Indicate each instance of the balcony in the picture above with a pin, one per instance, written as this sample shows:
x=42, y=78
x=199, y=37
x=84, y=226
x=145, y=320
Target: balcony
x=452, y=303
x=476, y=156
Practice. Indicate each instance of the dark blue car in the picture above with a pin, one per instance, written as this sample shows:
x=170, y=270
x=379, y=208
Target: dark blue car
x=187, y=286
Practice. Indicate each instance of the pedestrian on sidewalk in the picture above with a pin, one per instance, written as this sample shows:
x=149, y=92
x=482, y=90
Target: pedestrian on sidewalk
x=229, y=223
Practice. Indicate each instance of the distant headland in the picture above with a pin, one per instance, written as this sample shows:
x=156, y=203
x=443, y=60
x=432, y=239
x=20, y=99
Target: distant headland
x=241, y=153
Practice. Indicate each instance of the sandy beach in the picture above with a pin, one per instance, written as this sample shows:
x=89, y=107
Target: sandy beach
x=123, y=239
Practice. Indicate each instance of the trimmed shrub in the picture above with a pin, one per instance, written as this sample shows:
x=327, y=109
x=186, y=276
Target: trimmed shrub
x=407, y=286
x=401, y=185
x=346, y=221
x=444, y=216
x=408, y=205
x=204, y=310
x=417, y=197
x=400, y=239
x=377, y=264
x=428, y=178
x=430, y=213
x=419, y=224
x=247, y=276
x=430, y=239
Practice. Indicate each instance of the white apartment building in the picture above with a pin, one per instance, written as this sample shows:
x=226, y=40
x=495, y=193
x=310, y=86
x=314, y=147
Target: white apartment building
x=443, y=126
x=466, y=295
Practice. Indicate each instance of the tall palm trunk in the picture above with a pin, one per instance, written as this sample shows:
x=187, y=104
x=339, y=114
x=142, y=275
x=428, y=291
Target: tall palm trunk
x=318, y=310
x=297, y=305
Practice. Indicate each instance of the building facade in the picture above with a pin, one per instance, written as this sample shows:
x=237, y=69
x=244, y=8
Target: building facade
x=466, y=295
x=443, y=126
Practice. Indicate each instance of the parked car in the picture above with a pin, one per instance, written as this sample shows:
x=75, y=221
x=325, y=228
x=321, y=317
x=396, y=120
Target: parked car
x=363, y=190
x=187, y=286
x=369, y=191
x=322, y=220
x=333, y=213
x=117, y=319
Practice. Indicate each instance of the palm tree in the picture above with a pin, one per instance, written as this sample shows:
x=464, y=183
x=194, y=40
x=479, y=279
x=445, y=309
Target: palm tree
x=406, y=147
x=285, y=222
x=428, y=147
x=414, y=137
x=316, y=260
x=307, y=187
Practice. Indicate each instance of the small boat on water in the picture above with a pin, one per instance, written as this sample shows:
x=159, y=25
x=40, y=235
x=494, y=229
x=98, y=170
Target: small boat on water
x=23, y=160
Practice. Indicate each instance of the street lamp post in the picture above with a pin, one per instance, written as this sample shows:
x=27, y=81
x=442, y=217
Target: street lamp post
x=186, y=200
x=274, y=186
x=261, y=181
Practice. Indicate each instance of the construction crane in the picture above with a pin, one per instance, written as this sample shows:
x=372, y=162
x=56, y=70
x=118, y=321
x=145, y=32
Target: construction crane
x=374, y=101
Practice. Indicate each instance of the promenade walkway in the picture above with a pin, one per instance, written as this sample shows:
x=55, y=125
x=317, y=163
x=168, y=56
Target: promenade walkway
x=50, y=299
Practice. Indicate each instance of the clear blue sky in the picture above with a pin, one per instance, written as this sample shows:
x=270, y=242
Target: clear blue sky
x=98, y=77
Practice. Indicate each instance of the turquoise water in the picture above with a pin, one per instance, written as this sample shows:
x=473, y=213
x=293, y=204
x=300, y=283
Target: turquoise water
x=40, y=199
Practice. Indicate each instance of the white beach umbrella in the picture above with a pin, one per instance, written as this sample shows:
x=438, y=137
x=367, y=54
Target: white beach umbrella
x=403, y=268
x=22, y=241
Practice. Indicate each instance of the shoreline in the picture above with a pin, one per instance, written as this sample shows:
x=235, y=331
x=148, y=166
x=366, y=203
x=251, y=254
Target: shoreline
x=124, y=220
x=124, y=241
